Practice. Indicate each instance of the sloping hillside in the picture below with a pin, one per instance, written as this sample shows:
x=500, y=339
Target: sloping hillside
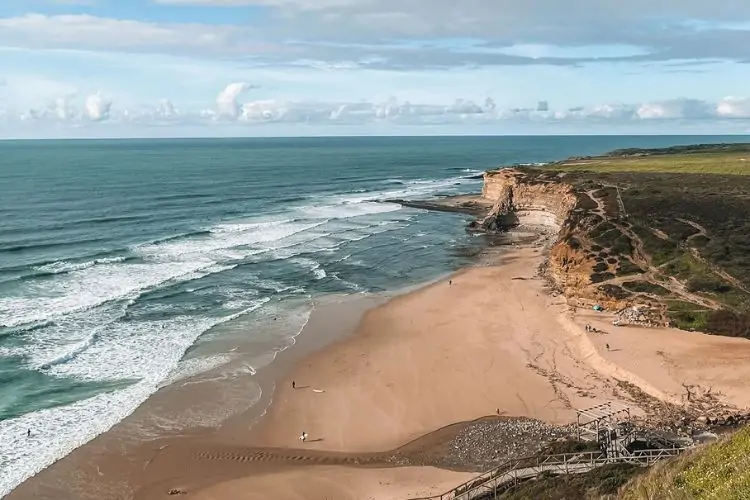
x=720, y=471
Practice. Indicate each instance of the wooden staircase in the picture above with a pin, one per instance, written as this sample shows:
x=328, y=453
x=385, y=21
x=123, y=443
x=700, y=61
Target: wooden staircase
x=513, y=472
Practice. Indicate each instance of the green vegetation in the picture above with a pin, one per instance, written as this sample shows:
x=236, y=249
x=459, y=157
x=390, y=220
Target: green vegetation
x=729, y=323
x=645, y=287
x=729, y=163
x=626, y=268
x=686, y=267
x=615, y=291
x=688, y=316
x=687, y=211
x=660, y=250
x=699, y=278
x=603, y=482
x=720, y=471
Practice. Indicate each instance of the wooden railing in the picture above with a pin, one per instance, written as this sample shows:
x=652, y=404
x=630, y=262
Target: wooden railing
x=511, y=472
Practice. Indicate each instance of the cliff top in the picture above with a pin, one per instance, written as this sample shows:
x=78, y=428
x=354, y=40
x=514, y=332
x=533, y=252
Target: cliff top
x=731, y=159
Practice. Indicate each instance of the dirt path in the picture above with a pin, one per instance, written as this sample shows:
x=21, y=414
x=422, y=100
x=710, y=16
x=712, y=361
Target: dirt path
x=697, y=255
x=640, y=258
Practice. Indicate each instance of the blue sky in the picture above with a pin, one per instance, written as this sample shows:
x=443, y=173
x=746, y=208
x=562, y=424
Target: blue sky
x=79, y=68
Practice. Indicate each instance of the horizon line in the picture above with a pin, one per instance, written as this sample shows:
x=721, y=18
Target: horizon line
x=362, y=136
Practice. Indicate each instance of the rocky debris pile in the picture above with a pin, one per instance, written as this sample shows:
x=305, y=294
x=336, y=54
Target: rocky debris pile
x=702, y=411
x=714, y=422
x=636, y=315
x=488, y=443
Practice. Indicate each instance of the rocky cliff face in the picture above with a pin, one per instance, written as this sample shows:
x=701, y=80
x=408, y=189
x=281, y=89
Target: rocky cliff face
x=520, y=200
x=541, y=200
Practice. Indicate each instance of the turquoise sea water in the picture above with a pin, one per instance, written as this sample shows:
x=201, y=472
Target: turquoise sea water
x=119, y=257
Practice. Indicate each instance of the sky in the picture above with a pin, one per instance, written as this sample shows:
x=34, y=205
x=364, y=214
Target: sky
x=174, y=68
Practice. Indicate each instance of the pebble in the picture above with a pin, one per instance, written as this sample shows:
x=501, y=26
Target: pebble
x=485, y=444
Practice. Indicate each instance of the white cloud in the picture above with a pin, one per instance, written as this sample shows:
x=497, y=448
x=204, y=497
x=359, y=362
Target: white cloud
x=62, y=109
x=97, y=108
x=674, y=109
x=166, y=109
x=324, y=32
x=83, y=31
x=226, y=102
x=733, y=107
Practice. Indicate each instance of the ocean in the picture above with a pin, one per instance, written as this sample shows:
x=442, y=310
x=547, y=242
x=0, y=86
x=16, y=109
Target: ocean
x=120, y=261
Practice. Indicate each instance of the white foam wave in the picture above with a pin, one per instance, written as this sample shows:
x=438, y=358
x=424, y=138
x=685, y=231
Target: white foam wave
x=195, y=366
x=411, y=189
x=311, y=266
x=90, y=284
x=204, y=246
x=138, y=346
x=346, y=210
x=63, y=266
x=67, y=337
x=86, y=288
x=240, y=227
x=146, y=352
x=349, y=284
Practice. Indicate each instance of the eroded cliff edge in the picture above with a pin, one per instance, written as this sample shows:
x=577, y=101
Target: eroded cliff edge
x=547, y=201
x=623, y=247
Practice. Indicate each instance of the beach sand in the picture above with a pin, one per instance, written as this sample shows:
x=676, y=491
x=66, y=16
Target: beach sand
x=445, y=353
x=484, y=341
x=670, y=359
x=321, y=482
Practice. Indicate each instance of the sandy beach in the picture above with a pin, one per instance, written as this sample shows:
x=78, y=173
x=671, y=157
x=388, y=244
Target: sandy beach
x=485, y=341
x=490, y=339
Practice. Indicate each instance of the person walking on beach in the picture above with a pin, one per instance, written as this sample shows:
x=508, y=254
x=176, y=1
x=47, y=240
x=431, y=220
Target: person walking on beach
x=450, y=282
x=294, y=385
x=303, y=436
x=28, y=433
x=607, y=347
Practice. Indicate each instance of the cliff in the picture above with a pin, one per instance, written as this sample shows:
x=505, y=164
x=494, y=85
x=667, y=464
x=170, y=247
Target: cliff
x=576, y=266
x=520, y=200
x=644, y=234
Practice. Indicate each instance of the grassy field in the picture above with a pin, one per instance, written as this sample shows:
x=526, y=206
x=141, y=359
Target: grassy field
x=731, y=163
x=720, y=471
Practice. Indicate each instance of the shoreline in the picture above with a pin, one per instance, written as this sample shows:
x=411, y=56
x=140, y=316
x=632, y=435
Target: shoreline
x=277, y=434
x=400, y=368
x=141, y=433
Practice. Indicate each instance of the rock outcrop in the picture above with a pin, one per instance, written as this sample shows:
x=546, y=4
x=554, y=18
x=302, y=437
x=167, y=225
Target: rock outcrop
x=547, y=202
x=522, y=201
